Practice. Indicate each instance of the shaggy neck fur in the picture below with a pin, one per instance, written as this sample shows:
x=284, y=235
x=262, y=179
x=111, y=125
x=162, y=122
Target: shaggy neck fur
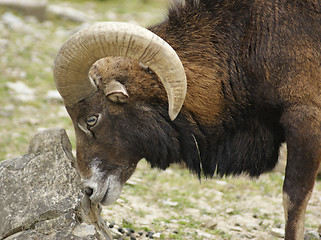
x=248, y=140
x=249, y=147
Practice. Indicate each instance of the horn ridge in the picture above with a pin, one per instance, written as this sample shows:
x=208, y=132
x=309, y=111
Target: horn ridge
x=106, y=39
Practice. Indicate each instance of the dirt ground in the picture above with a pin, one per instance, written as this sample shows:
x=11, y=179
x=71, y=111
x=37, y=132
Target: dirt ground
x=175, y=205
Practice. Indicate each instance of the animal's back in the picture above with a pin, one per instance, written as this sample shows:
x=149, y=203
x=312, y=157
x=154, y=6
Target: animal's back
x=278, y=44
x=285, y=51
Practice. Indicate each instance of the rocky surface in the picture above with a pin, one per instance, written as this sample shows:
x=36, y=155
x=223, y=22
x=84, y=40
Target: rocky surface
x=41, y=194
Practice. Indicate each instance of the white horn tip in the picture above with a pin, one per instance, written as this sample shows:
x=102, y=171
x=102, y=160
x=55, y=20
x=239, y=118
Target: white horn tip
x=172, y=115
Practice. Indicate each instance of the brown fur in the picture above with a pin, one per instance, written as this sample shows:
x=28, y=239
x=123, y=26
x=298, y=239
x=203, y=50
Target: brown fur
x=254, y=81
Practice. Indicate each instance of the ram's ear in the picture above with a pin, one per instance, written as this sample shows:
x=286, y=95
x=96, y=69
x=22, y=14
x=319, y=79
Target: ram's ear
x=116, y=92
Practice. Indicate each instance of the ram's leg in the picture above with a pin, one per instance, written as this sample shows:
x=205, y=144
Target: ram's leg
x=303, y=136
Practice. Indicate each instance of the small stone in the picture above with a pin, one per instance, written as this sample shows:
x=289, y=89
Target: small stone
x=277, y=232
x=236, y=229
x=115, y=233
x=111, y=225
x=157, y=235
x=131, y=182
x=149, y=234
x=229, y=211
x=210, y=224
x=36, y=8
x=68, y=13
x=222, y=183
x=169, y=203
x=121, y=230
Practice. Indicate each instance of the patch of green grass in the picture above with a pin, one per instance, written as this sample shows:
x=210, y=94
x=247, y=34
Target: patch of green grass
x=128, y=225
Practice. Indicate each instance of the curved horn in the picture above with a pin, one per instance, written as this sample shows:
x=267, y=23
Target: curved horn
x=101, y=40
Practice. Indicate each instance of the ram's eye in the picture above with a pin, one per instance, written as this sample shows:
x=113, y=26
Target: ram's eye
x=91, y=120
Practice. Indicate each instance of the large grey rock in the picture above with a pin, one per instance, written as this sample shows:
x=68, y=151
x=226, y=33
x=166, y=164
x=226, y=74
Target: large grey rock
x=41, y=195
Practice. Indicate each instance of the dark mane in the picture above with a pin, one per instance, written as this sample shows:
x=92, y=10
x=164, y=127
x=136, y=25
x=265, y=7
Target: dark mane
x=250, y=147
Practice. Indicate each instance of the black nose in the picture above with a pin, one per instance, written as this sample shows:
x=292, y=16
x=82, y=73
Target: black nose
x=89, y=191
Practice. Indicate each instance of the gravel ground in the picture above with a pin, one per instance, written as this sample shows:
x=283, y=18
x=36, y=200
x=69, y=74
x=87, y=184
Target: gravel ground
x=174, y=204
